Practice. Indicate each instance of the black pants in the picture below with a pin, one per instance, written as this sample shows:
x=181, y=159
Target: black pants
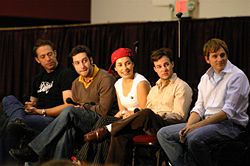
x=145, y=121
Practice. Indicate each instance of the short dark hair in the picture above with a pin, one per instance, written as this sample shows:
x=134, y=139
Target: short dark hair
x=158, y=54
x=42, y=42
x=79, y=49
x=214, y=45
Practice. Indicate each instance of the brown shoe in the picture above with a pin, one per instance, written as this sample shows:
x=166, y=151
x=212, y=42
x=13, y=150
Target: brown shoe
x=96, y=135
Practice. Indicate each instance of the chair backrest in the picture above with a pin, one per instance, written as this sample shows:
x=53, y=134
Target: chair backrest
x=194, y=97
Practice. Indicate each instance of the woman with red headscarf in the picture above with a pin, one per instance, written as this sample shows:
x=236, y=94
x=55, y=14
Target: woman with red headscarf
x=132, y=89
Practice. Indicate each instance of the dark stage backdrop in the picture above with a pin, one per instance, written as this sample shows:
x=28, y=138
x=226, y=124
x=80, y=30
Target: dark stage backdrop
x=18, y=67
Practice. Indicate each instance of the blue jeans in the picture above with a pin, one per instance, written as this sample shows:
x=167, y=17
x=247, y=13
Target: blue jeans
x=59, y=137
x=15, y=109
x=197, y=148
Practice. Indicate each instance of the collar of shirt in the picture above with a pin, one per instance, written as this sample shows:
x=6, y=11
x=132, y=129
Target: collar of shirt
x=218, y=77
x=86, y=84
x=161, y=84
x=228, y=68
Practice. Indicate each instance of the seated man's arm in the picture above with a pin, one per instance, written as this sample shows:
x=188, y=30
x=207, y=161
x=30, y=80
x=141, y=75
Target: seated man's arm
x=53, y=111
x=107, y=96
x=182, y=102
x=194, y=122
x=64, y=87
x=236, y=98
x=218, y=117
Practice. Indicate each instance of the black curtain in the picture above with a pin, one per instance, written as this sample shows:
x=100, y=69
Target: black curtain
x=18, y=67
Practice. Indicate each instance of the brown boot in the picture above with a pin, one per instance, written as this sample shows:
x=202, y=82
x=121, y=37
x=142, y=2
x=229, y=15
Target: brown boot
x=96, y=135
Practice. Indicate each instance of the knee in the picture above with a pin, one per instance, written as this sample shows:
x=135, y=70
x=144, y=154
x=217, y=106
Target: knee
x=146, y=112
x=194, y=143
x=78, y=113
x=66, y=111
x=162, y=134
x=8, y=99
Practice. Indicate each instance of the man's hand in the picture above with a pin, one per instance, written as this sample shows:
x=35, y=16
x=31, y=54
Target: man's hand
x=182, y=136
x=29, y=106
x=187, y=129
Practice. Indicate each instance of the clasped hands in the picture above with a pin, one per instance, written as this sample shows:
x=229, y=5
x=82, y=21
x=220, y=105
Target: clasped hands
x=184, y=131
x=124, y=114
x=30, y=108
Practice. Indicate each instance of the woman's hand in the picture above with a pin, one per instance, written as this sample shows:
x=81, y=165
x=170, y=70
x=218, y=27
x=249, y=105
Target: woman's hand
x=118, y=114
x=124, y=114
x=127, y=114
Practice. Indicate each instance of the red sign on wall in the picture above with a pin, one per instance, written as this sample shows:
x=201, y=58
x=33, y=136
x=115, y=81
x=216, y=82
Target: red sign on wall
x=181, y=6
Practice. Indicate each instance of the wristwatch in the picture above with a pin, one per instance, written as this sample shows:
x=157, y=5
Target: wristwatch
x=44, y=112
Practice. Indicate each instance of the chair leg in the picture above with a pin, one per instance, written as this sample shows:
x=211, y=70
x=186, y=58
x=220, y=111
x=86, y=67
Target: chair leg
x=133, y=156
x=26, y=164
x=158, y=155
x=162, y=159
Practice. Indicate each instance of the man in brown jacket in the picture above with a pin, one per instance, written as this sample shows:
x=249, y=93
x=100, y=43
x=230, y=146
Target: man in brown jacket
x=94, y=91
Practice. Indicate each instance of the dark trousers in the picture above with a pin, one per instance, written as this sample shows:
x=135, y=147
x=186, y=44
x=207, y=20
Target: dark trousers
x=145, y=121
x=59, y=139
x=14, y=109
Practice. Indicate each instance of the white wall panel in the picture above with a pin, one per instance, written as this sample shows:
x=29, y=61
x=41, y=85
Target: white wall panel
x=111, y=11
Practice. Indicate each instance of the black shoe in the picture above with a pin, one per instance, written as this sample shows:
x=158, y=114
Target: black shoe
x=25, y=154
x=19, y=128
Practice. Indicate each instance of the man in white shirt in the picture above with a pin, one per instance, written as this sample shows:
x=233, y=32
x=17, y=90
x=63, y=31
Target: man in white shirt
x=219, y=114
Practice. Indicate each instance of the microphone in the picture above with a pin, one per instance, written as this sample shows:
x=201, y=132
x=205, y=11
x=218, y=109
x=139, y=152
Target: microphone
x=179, y=14
x=70, y=101
x=136, y=44
x=136, y=110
